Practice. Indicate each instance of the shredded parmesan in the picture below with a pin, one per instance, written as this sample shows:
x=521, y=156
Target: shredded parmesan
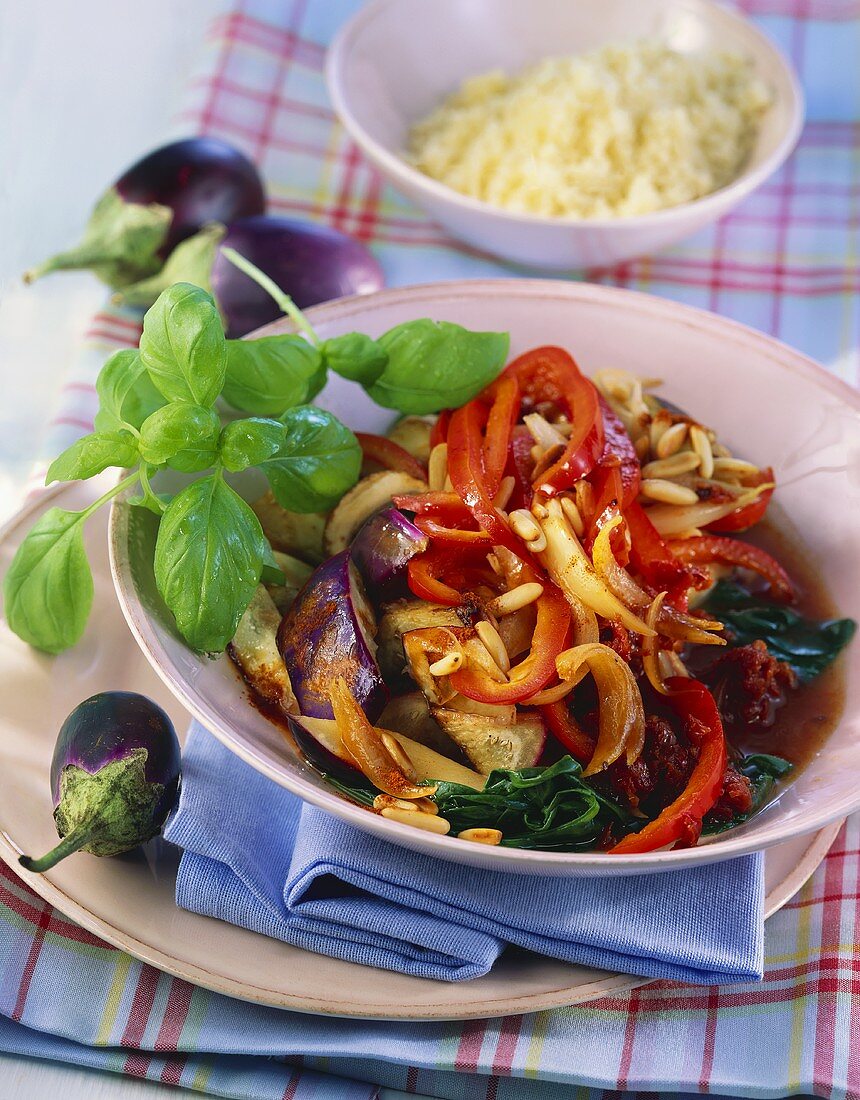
x=628, y=129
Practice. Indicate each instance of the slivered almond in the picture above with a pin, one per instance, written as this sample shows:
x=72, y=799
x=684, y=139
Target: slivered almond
x=481, y=836
x=429, y=822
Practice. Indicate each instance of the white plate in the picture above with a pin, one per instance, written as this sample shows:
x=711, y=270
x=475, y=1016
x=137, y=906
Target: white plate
x=130, y=901
x=766, y=401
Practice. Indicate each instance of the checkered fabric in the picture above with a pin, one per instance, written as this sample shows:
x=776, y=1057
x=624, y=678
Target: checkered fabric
x=784, y=262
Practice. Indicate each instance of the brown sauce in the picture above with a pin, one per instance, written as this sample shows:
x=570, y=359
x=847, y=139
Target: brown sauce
x=812, y=712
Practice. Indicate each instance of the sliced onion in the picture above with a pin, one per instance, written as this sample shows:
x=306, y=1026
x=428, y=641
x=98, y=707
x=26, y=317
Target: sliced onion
x=503, y=714
x=671, y=622
x=650, y=649
x=569, y=566
x=622, y=715
x=676, y=519
x=366, y=747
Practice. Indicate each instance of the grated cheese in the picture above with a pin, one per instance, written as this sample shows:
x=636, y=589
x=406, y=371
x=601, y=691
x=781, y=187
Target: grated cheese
x=628, y=129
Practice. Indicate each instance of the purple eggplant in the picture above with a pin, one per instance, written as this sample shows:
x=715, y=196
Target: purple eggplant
x=114, y=776
x=159, y=202
x=383, y=548
x=328, y=632
x=311, y=263
x=322, y=745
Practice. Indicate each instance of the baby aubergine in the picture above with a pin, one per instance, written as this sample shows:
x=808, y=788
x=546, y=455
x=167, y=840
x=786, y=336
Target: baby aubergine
x=114, y=776
x=160, y=201
x=328, y=632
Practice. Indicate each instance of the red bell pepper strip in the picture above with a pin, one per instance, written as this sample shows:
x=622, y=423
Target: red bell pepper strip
x=692, y=701
x=521, y=466
x=653, y=560
x=442, y=574
x=456, y=535
x=466, y=470
x=533, y=673
x=618, y=443
x=504, y=414
x=708, y=548
x=425, y=575
x=606, y=484
x=387, y=453
x=750, y=514
x=567, y=731
x=443, y=506
x=439, y=431
x=550, y=374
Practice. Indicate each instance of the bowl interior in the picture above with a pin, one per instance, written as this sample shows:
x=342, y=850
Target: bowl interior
x=382, y=80
x=766, y=401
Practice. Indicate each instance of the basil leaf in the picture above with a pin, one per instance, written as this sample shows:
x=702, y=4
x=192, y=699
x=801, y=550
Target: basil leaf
x=91, y=454
x=208, y=559
x=551, y=808
x=356, y=357
x=808, y=645
x=434, y=365
x=270, y=375
x=126, y=393
x=48, y=590
x=319, y=460
x=181, y=434
x=183, y=345
x=249, y=442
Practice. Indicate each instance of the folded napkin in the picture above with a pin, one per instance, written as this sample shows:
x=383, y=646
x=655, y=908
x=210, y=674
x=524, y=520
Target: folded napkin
x=257, y=856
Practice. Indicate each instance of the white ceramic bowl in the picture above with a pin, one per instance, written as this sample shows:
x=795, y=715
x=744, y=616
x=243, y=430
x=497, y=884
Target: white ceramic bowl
x=397, y=59
x=767, y=402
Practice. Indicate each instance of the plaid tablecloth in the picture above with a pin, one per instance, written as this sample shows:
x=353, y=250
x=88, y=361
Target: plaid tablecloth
x=787, y=263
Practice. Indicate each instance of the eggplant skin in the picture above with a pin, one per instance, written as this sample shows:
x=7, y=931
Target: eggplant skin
x=108, y=727
x=326, y=633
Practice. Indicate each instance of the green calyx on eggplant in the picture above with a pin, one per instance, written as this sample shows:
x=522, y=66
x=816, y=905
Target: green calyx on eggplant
x=383, y=548
x=328, y=632
x=163, y=199
x=114, y=777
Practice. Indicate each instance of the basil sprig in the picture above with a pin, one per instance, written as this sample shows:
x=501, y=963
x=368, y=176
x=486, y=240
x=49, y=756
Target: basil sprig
x=158, y=410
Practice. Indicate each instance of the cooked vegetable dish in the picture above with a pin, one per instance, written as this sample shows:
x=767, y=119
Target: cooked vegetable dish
x=534, y=621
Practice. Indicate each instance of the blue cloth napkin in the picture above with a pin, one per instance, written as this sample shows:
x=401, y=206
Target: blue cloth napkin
x=257, y=856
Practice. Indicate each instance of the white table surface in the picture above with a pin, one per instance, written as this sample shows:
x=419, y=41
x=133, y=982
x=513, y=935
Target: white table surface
x=85, y=88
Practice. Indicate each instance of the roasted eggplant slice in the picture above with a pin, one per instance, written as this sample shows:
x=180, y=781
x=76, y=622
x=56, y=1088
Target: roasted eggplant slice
x=398, y=619
x=254, y=649
x=412, y=433
x=382, y=549
x=361, y=502
x=295, y=533
x=329, y=631
x=410, y=715
x=488, y=744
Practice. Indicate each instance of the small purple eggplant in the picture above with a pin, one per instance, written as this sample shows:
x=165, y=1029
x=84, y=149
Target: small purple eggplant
x=328, y=632
x=157, y=203
x=114, y=776
x=308, y=262
x=383, y=548
x=311, y=263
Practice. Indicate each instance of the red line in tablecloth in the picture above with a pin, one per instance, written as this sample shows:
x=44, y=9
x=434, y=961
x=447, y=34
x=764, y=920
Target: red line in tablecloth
x=32, y=959
x=175, y=1014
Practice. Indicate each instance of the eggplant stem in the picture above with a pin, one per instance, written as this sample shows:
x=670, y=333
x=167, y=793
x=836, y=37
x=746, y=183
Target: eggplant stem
x=284, y=301
x=71, y=842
